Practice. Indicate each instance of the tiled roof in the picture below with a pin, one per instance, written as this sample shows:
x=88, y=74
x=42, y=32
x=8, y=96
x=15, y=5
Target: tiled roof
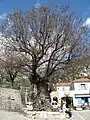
x=63, y=84
x=82, y=80
x=75, y=81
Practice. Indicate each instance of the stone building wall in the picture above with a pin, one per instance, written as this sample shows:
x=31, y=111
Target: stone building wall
x=10, y=99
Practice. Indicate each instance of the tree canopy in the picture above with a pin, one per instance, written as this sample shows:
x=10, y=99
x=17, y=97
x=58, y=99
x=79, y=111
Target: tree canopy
x=48, y=38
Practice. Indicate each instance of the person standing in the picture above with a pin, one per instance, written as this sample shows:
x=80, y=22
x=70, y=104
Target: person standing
x=68, y=107
x=65, y=107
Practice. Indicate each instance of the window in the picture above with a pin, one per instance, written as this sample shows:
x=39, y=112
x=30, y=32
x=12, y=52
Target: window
x=83, y=87
x=55, y=103
x=55, y=99
x=63, y=89
x=72, y=87
x=52, y=103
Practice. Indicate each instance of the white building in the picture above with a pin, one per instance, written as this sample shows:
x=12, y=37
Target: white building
x=79, y=90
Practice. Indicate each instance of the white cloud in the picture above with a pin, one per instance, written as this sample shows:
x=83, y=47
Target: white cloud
x=37, y=5
x=87, y=22
x=3, y=16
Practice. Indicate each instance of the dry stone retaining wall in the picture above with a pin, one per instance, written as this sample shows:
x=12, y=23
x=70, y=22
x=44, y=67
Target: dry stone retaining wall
x=10, y=99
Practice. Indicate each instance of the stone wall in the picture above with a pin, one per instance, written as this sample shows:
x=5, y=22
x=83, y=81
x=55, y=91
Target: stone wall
x=43, y=115
x=10, y=99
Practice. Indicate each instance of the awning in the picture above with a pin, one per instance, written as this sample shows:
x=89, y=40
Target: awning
x=82, y=95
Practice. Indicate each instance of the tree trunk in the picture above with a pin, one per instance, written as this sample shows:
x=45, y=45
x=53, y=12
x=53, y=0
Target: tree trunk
x=12, y=82
x=42, y=100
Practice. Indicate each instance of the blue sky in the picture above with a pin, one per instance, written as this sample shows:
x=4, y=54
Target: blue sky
x=81, y=7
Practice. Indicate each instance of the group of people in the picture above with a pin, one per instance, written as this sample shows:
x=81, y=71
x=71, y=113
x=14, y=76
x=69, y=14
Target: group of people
x=65, y=107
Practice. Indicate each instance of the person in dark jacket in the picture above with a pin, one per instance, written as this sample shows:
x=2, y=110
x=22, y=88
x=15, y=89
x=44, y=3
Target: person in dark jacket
x=68, y=107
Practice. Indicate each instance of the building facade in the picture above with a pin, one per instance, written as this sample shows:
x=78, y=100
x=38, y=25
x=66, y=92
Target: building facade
x=78, y=90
